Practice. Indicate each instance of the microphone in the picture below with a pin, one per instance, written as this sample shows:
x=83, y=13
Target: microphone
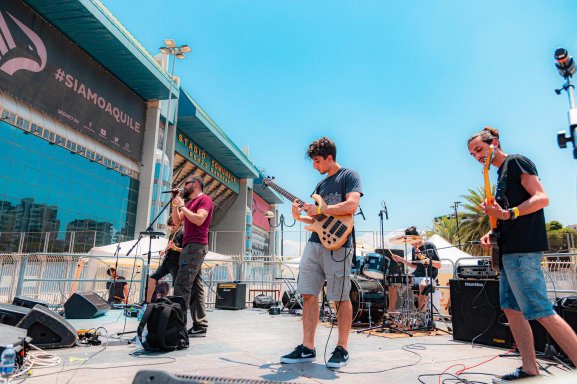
x=175, y=190
x=384, y=205
x=361, y=213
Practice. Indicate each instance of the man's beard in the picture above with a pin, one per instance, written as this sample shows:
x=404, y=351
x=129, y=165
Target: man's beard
x=186, y=193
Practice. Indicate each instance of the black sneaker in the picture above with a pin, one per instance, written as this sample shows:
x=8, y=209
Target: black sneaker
x=339, y=358
x=199, y=332
x=518, y=374
x=301, y=354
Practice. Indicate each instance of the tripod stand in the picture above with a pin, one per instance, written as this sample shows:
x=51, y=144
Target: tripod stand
x=151, y=234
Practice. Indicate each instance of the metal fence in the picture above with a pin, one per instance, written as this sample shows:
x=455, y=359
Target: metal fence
x=55, y=277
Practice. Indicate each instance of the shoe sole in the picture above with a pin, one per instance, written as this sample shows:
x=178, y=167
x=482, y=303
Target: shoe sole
x=337, y=365
x=286, y=360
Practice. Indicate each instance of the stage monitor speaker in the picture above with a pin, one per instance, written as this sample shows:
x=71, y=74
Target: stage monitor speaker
x=290, y=301
x=11, y=314
x=47, y=329
x=85, y=305
x=231, y=296
x=28, y=302
x=476, y=314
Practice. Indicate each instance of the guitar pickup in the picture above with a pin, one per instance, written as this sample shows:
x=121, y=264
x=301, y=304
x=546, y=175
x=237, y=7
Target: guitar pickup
x=334, y=227
x=328, y=222
x=341, y=230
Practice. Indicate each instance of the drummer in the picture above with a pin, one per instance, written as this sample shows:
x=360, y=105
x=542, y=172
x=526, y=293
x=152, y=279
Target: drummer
x=422, y=253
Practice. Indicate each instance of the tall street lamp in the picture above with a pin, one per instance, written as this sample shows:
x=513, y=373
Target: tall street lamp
x=282, y=223
x=170, y=48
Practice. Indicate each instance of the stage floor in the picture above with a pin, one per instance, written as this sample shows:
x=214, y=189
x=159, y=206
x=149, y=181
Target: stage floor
x=247, y=344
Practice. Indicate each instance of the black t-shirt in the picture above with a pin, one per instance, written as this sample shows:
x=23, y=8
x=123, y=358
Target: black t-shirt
x=527, y=233
x=429, y=250
x=173, y=256
x=118, y=288
x=334, y=190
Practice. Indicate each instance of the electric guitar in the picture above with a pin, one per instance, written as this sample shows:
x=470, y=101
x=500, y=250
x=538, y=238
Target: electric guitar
x=493, y=237
x=333, y=231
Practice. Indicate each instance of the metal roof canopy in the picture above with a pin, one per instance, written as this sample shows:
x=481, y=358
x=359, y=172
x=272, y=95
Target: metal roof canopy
x=196, y=124
x=97, y=32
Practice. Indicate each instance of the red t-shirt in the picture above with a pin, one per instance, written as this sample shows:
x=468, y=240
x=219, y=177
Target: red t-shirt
x=198, y=233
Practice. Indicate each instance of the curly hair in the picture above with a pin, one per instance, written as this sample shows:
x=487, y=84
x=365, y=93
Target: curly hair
x=322, y=147
x=487, y=135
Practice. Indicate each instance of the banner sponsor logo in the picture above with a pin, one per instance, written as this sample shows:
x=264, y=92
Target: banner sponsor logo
x=35, y=50
x=40, y=66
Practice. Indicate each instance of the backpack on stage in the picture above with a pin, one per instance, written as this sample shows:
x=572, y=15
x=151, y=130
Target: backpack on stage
x=166, y=326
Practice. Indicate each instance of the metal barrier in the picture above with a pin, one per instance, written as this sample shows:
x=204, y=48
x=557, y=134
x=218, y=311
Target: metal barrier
x=560, y=271
x=54, y=277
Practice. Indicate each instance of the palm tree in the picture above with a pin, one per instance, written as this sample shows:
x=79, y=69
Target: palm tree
x=445, y=227
x=474, y=223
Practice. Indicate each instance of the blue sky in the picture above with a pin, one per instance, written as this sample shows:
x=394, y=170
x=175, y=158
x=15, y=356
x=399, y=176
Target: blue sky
x=399, y=86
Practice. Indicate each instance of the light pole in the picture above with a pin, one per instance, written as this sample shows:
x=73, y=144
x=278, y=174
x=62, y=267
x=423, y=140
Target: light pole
x=282, y=223
x=455, y=206
x=170, y=49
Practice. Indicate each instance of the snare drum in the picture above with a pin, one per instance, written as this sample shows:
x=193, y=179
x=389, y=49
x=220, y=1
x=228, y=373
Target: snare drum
x=373, y=266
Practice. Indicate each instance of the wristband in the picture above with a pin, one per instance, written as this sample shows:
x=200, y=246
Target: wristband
x=318, y=210
x=515, y=213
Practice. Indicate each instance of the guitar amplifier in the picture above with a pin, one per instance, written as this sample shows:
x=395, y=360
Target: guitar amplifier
x=231, y=296
x=482, y=272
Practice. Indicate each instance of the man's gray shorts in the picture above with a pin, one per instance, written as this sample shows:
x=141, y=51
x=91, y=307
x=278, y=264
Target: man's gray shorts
x=317, y=265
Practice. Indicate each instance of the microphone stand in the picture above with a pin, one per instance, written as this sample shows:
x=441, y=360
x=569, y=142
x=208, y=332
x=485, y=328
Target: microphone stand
x=151, y=234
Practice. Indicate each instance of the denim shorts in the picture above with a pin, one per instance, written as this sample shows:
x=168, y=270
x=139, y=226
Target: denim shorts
x=317, y=264
x=522, y=285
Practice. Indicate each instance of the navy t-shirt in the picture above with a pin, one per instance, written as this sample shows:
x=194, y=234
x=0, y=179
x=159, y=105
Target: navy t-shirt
x=527, y=233
x=429, y=250
x=334, y=190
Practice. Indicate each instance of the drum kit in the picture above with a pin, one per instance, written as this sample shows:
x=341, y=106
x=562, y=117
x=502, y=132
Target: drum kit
x=376, y=276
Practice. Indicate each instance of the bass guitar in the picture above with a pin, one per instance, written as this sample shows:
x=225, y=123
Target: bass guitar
x=333, y=231
x=494, y=236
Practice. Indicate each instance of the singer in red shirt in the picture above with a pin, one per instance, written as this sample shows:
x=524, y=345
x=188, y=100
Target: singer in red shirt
x=196, y=215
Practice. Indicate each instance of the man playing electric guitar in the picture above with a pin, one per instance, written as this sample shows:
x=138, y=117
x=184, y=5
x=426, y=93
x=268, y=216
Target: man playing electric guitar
x=520, y=199
x=341, y=190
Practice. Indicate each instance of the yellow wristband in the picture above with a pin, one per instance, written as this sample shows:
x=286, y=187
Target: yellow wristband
x=515, y=211
x=319, y=210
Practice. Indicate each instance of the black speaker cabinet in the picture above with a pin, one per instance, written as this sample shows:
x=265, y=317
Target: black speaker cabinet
x=47, y=329
x=290, y=301
x=85, y=305
x=231, y=296
x=11, y=314
x=476, y=313
x=28, y=302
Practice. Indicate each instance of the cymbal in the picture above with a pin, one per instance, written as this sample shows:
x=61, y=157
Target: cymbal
x=406, y=239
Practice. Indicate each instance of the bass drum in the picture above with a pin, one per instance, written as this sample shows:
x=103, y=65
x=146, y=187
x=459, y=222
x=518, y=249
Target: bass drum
x=367, y=297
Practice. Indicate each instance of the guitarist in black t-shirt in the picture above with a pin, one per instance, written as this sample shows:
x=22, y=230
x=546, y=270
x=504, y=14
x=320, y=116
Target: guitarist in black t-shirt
x=520, y=199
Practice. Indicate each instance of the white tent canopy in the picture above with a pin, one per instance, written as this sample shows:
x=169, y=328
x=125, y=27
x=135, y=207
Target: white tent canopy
x=141, y=250
x=447, y=250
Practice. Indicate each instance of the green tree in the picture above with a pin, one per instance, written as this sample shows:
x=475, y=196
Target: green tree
x=445, y=227
x=473, y=222
x=553, y=225
x=561, y=240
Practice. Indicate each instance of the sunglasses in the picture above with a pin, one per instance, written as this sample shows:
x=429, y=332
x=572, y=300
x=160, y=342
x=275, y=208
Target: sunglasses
x=188, y=182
